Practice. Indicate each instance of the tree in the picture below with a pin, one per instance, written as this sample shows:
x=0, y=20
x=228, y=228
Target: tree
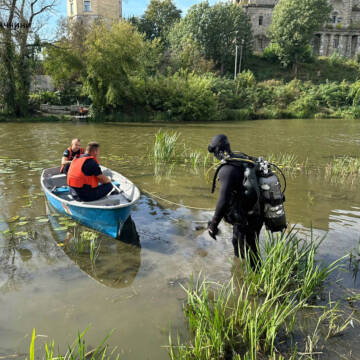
x=158, y=19
x=217, y=30
x=18, y=40
x=64, y=59
x=112, y=56
x=293, y=26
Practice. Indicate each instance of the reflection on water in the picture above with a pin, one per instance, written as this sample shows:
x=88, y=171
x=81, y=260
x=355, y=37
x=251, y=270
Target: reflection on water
x=134, y=284
x=117, y=263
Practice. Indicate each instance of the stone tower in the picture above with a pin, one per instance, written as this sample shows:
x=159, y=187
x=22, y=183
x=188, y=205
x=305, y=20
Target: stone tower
x=87, y=10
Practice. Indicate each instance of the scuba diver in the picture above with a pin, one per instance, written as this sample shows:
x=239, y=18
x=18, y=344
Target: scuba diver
x=250, y=195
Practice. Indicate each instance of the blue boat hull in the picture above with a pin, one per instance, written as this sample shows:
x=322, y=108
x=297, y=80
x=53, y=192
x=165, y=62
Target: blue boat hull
x=106, y=221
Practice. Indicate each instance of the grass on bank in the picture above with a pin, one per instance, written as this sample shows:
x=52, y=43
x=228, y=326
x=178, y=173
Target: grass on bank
x=30, y=119
x=254, y=314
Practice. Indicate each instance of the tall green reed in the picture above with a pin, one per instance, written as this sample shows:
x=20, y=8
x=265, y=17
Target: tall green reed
x=165, y=145
x=346, y=168
x=243, y=318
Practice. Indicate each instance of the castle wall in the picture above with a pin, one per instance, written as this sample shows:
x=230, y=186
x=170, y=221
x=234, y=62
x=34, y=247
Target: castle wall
x=341, y=34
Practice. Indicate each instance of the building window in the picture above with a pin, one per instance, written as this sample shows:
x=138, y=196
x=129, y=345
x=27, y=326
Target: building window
x=339, y=19
x=333, y=19
x=87, y=5
x=71, y=7
x=261, y=19
x=336, y=41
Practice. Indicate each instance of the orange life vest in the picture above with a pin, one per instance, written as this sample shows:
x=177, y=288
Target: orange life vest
x=70, y=157
x=76, y=178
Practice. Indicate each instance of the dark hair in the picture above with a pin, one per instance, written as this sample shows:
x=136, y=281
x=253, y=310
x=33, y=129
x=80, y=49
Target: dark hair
x=92, y=146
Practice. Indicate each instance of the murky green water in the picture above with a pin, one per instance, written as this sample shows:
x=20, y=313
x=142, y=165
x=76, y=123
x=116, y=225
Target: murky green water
x=135, y=288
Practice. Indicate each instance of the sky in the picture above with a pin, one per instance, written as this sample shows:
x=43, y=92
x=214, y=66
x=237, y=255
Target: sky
x=130, y=8
x=135, y=7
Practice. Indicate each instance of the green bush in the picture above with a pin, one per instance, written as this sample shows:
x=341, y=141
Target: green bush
x=270, y=53
x=44, y=97
x=336, y=59
x=305, y=106
x=182, y=96
x=333, y=94
x=354, y=94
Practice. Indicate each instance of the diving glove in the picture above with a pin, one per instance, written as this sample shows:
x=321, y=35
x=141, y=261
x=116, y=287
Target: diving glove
x=212, y=229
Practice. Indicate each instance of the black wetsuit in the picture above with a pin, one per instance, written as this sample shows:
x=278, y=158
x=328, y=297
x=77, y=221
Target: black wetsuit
x=87, y=193
x=234, y=207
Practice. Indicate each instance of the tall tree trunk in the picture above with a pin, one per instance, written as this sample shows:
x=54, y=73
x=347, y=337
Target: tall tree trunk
x=295, y=69
x=23, y=80
x=8, y=58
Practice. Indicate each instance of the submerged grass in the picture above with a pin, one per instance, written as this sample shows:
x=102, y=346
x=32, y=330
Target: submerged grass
x=167, y=149
x=345, y=168
x=287, y=161
x=248, y=317
x=86, y=242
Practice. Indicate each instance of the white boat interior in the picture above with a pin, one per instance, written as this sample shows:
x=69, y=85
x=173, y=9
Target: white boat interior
x=124, y=193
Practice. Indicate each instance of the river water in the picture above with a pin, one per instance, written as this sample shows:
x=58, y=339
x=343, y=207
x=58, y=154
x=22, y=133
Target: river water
x=135, y=286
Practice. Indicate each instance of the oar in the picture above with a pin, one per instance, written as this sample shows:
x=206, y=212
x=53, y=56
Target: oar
x=120, y=191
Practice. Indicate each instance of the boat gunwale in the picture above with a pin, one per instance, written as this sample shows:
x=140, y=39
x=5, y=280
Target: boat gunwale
x=89, y=206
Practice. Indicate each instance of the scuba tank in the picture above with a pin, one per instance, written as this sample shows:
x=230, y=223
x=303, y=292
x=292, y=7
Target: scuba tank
x=272, y=196
x=261, y=188
x=245, y=201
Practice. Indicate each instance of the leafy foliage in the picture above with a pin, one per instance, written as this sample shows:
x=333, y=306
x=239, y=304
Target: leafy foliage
x=158, y=19
x=112, y=55
x=216, y=30
x=293, y=26
x=182, y=96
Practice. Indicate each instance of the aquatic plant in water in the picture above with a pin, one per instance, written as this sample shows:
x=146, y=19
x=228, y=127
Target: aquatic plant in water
x=345, y=168
x=247, y=317
x=77, y=351
x=286, y=161
x=165, y=145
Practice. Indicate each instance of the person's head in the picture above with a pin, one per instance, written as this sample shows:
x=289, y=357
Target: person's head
x=93, y=148
x=75, y=144
x=219, y=146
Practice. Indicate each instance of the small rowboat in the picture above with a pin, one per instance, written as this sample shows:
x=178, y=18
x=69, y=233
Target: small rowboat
x=106, y=215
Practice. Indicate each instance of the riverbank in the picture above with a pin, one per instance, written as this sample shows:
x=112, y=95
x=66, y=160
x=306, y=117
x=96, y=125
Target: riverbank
x=36, y=119
x=195, y=98
x=322, y=88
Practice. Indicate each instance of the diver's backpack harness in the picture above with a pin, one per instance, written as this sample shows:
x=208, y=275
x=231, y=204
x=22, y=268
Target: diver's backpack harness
x=269, y=187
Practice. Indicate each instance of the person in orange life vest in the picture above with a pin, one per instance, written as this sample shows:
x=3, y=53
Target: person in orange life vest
x=85, y=174
x=73, y=151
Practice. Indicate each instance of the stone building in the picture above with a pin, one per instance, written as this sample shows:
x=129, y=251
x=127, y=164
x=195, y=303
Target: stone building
x=88, y=10
x=341, y=34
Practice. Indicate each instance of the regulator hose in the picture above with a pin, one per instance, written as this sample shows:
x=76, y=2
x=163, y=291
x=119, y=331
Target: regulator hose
x=282, y=174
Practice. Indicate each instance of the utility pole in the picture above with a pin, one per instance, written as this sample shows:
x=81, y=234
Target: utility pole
x=241, y=53
x=236, y=56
